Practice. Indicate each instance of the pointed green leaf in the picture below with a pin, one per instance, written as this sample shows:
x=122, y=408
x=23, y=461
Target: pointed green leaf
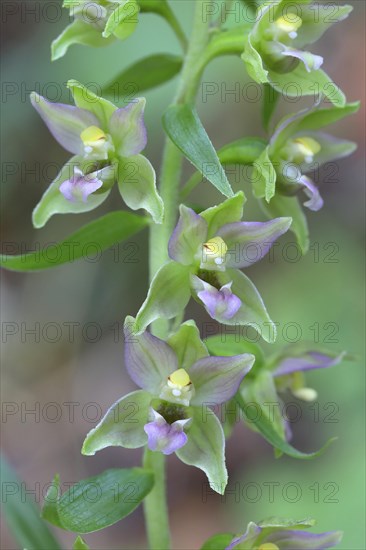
x=122, y=425
x=205, y=448
x=187, y=344
x=80, y=544
x=78, y=32
x=168, y=295
x=183, y=126
x=22, y=515
x=255, y=416
x=137, y=185
x=145, y=74
x=100, y=501
x=101, y=234
x=218, y=542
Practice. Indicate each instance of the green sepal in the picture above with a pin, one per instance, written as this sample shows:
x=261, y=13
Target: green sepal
x=78, y=32
x=234, y=344
x=264, y=176
x=112, y=495
x=137, y=185
x=228, y=211
x=187, y=344
x=86, y=99
x=183, y=126
x=80, y=544
x=218, y=542
x=205, y=448
x=122, y=21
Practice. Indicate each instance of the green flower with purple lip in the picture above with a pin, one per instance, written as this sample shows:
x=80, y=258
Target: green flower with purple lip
x=96, y=23
x=207, y=251
x=171, y=412
x=106, y=143
x=274, y=48
x=296, y=148
x=279, y=534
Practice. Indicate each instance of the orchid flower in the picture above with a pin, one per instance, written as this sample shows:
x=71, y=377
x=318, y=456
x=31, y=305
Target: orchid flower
x=273, y=49
x=96, y=23
x=278, y=534
x=106, y=143
x=171, y=412
x=297, y=147
x=207, y=251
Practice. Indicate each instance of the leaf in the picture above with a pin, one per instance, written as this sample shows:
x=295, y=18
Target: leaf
x=270, y=100
x=256, y=416
x=22, y=515
x=281, y=205
x=78, y=32
x=144, y=75
x=218, y=542
x=80, y=544
x=100, y=501
x=183, y=126
x=101, y=234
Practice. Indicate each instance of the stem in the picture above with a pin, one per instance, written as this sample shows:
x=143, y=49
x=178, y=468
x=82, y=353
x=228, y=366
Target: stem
x=155, y=505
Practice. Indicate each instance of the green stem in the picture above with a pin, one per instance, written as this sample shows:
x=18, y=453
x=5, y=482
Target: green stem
x=155, y=505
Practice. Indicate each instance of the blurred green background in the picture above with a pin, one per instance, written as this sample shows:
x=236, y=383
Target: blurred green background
x=77, y=310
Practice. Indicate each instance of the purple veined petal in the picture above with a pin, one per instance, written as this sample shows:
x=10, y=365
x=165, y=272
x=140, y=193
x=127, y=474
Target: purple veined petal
x=315, y=201
x=149, y=360
x=311, y=61
x=303, y=540
x=128, y=129
x=249, y=537
x=188, y=236
x=249, y=242
x=165, y=437
x=310, y=361
x=221, y=302
x=65, y=122
x=217, y=379
x=80, y=186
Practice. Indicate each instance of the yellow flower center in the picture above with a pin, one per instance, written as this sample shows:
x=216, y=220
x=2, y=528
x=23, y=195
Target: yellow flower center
x=289, y=24
x=215, y=249
x=92, y=136
x=268, y=546
x=307, y=146
x=180, y=378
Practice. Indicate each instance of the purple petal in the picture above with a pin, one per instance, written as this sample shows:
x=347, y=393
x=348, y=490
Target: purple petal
x=312, y=62
x=128, y=129
x=188, y=236
x=309, y=361
x=165, y=437
x=315, y=201
x=248, y=242
x=303, y=540
x=221, y=302
x=217, y=379
x=149, y=360
x=80, y=186
x=65, y=122
x=250, y=536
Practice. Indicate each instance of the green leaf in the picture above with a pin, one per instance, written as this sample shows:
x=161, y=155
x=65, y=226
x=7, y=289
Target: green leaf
x=145, y=74
x=233, y=344
x=205, y=448
x=168, y=295
x=218, y=542
x=187, y=344
x=100, y=501
x=22, y=515
x=86, y=99
x=122, y=425
x=183, y=126
x=257, y=418
x=270, y=100
x=78, y=32
x=137, y=185
x=264, y=177
x=281, y=205
x=80, y=544
x=123, y=20
x=101, y=234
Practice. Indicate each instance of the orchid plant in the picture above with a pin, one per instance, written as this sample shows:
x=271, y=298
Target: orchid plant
x=196, y=252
